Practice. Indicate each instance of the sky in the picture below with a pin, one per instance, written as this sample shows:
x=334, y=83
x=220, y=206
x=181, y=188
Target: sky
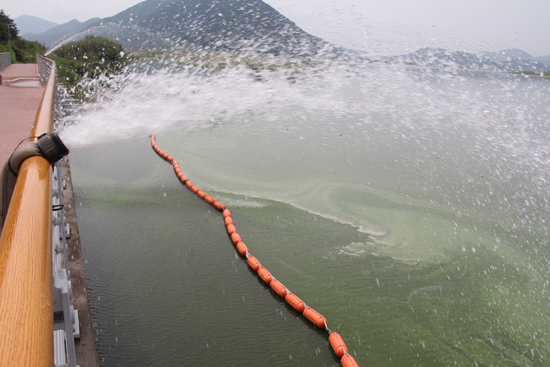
x=380, y=27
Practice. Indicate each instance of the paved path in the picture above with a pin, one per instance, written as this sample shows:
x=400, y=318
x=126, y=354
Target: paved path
x=20, y=96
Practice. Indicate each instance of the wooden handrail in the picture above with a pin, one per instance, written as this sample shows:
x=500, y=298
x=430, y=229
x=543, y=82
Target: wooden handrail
x=26, y=300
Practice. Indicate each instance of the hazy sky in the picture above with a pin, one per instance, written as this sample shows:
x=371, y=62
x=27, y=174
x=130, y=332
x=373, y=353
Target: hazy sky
x=383, y=27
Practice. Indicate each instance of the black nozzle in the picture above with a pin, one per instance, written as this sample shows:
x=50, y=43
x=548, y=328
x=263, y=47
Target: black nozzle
x=52, y=147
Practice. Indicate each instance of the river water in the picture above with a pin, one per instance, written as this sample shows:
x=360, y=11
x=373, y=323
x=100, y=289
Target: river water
x=408, y=205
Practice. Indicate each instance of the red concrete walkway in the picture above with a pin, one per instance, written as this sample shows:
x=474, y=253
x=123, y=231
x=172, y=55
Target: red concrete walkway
x=20, y=97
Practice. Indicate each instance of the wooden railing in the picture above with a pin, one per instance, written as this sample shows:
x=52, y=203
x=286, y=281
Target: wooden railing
x=26, y=302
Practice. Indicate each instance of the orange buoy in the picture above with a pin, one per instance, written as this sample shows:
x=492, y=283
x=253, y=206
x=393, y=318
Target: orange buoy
x=219, y=206
x=209, y=199
x=295, y=302
x=348, y=361
x=169, y=158
x=241, y=247
x=182, y=177
x=228, y=221
x=236, y=238
x=231, y=229
x=279, y=288
x=315, y=317
x=175, y=164
x=189, y=184
x=226, y=213
x=265, y=275
x=201, y=194
x=195, y=189
x=338, y=344
x=254, y=263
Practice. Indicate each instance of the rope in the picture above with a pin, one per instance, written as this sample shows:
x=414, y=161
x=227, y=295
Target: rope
x=309, y=313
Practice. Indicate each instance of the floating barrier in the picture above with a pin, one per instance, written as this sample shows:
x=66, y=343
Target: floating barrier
x=338, y=344
x=279, y=288
x=295, y=302
x=254, y=263
x=336, y=341
x=315, y=318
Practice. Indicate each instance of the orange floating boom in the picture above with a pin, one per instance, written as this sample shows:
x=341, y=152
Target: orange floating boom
x=348, y=361
x=336, y=341
x=241, y=247
x=315, y=317
x=265, y=275
x=279, y=288
x=338, y=344
x=254, y=263
x=295, y=302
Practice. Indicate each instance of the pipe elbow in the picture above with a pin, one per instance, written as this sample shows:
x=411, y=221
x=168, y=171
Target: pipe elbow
x=48, y=146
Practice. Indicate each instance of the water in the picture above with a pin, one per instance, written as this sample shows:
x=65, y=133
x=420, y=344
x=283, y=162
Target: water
x=408, y=205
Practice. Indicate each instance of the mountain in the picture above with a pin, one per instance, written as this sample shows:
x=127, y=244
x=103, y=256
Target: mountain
x=544, y=59
x=508, y=60
x=29, y=24
x=514, y=59
x=217, y=25
x=61, y=32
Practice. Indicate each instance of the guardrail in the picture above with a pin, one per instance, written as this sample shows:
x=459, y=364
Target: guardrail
x=5, y=60
x=66, y=321
x=26, y=298
x=45, y=67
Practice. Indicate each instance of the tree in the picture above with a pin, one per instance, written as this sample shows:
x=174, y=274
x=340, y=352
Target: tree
x=6, y=23
x=91, y=57
x=21, y=50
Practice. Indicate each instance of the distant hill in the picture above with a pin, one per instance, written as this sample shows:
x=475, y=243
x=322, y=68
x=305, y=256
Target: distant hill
x=61, y=32
x=29, y=24
x=229, y=25
x=544, y=59
x=509, y=60
x=514, y=59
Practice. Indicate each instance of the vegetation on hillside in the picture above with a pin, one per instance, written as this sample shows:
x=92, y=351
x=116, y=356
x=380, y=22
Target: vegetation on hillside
x=89, y=58
x=22, y=51
x=541, y=74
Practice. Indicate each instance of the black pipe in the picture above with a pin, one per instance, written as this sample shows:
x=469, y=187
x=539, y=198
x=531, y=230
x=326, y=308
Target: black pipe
x=48, y=146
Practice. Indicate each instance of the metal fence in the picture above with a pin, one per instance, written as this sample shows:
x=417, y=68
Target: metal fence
x=66, y=323
x=64, y=105
x=5, y=60
x=44, y=67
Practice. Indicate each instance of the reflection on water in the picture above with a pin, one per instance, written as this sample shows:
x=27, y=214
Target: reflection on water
x=408, y=206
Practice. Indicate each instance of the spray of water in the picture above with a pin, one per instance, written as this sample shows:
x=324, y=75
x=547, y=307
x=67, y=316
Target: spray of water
x=483, y=124
x=437, y=163
x=198, y=90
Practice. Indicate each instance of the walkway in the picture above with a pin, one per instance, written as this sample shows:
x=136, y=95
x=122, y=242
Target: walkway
x=20, y=96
